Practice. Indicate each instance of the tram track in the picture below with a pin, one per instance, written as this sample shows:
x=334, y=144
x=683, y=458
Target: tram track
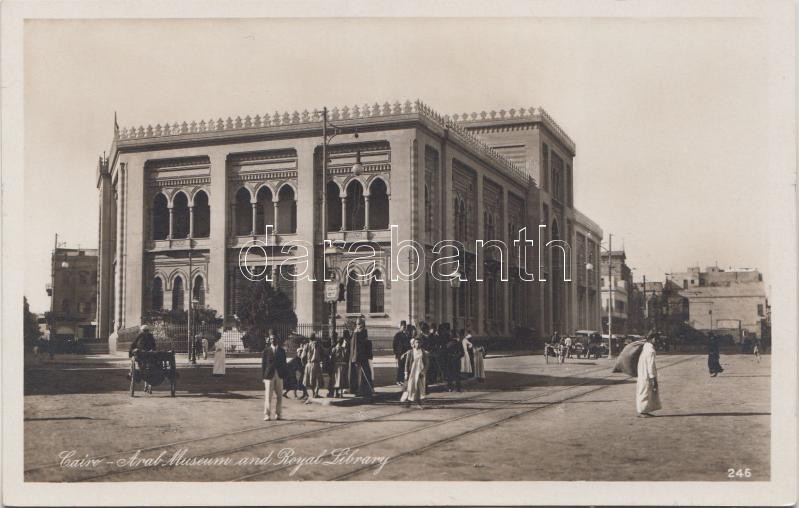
x=451, y=420
x=448, y=439
x=306, y=433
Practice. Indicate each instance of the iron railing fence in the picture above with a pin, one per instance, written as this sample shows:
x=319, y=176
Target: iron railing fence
x=174, y=335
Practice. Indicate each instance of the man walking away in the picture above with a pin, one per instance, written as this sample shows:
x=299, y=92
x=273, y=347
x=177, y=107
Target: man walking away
x=647, y=393
x=401, y=344
x=453, y=352
x=273, y=371
x=713, y=356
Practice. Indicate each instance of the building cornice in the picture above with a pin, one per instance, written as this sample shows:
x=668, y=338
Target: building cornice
x=296, y=124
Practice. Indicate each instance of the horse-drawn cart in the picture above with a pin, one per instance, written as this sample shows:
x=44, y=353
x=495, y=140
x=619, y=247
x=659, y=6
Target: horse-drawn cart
x=153, y=368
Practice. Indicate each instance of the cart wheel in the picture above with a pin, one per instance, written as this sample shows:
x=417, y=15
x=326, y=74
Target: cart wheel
x=172, y=387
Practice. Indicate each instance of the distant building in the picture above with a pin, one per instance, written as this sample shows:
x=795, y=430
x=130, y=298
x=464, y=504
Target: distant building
x=616, y=281
x=73, y=293
x=729, y=302
x=640, y=313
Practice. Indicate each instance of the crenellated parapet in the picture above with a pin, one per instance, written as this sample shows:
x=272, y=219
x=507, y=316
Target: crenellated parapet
x=313, y=119
x=275, y=119
x=532, y=114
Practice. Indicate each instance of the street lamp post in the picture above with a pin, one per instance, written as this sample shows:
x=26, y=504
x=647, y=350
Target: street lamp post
x=356, y=170
x=610, y=292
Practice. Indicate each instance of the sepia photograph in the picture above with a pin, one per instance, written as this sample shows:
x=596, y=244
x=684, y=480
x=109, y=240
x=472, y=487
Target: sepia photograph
x=251, y=253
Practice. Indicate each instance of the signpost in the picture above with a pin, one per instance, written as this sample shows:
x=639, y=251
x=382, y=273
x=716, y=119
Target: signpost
x=331, y=296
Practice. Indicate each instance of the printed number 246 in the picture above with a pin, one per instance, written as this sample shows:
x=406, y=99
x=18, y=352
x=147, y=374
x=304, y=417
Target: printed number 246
x=739, y=473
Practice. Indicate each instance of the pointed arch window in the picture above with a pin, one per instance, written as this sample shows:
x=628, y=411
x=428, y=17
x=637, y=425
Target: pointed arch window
x=160, y=217
x=157, y=294
x=177, y=294
x=198, y=290
x=378, y=205
x=286, y=210
x=180, y=211
x=243, y=213
x=202, y=216
x=377, y=293
x=264, y=211
x=356, y=208
x=353, y=294
x=333, y=198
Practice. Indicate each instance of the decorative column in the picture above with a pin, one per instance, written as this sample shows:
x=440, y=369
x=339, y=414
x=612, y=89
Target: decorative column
x=171, y=220
x=191, y=222
x=344, y=213
x=276, y=208
x=254, y=216
x=366, y=212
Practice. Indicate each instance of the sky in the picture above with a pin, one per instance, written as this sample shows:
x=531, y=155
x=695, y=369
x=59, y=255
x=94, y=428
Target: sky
x=667, y=114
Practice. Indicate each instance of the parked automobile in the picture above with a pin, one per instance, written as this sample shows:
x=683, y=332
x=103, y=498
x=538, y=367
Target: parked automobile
x=581, y=342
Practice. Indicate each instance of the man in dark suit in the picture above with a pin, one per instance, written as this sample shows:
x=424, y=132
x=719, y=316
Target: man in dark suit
x=273, y=370
x=143, y=342
x=363, y=355
x=402, y=343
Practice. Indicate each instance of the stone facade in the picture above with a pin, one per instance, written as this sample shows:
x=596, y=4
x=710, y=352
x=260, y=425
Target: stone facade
x=179, y=202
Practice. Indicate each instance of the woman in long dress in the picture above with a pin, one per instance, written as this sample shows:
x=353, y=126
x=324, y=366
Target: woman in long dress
x=416, y=363
x=341, y=364
x=468, y=348
x=479, y=366
x=647, y=393
x=219, y=358
x=313, y=366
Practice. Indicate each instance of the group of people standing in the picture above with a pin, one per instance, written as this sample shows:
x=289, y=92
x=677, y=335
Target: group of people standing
x=428, y=354
x=341, y=365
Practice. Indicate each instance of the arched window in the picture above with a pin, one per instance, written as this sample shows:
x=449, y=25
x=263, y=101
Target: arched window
x=264, y=211
x=157, y=294
x=202, y=216
x=286, y=210
x=428, y=210
x=355, y=206
x=464, y=236
x=457, y=214
x=180, y=216
x=177, y=294
x=378, y=205
x=160, y=217
x=243, y=212
x=353, y=294
x=333, y=198
x=198, y=290
x=376, y=293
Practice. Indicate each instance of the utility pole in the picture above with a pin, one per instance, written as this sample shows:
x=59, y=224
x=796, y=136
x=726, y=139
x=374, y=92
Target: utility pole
x=646, y=307
x=610, y=296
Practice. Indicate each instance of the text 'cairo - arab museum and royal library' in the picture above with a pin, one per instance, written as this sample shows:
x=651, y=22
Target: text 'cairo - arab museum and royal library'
x=178, y=202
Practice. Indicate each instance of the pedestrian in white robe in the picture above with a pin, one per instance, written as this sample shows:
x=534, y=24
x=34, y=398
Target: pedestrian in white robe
x=466, y=362
x=647, y=394
x=219, y=358
x=416, y=364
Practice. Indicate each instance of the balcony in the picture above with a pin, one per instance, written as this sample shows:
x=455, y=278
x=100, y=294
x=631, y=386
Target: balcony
x=237, y=242
x=178, y=244
x=373, y=235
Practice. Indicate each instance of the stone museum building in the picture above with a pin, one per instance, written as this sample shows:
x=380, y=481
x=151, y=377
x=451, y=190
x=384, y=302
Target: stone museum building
x=178, y=202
